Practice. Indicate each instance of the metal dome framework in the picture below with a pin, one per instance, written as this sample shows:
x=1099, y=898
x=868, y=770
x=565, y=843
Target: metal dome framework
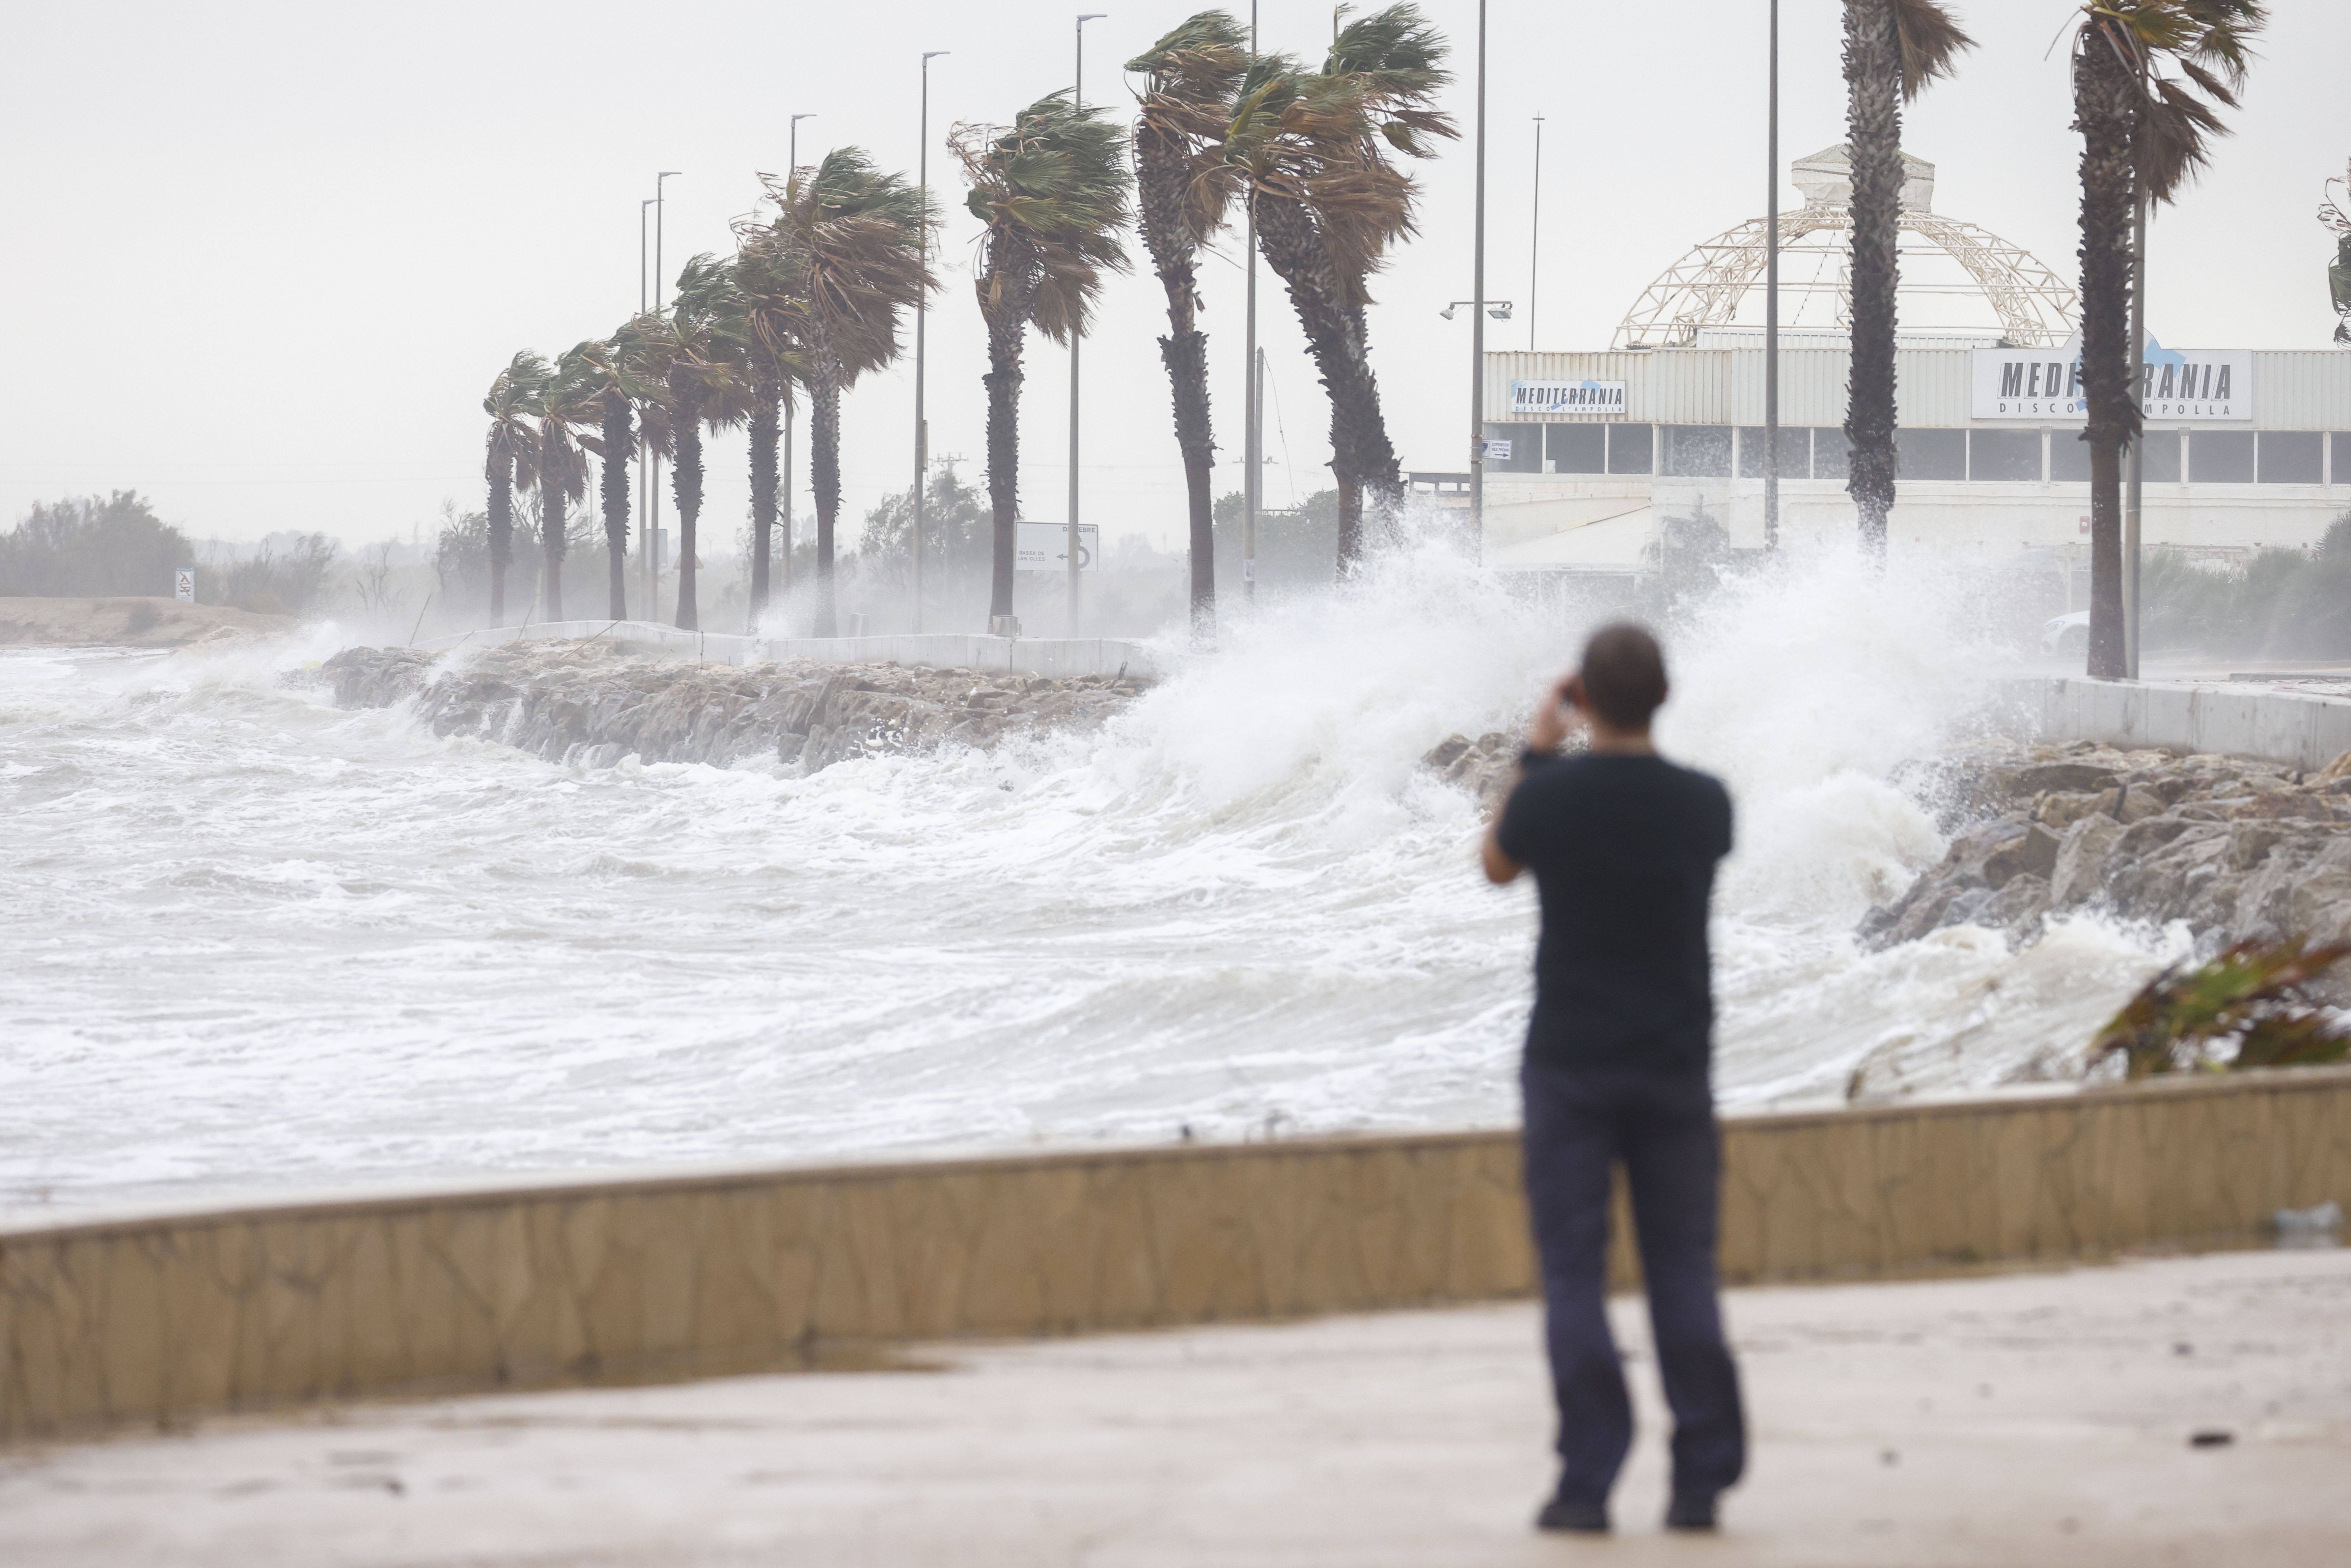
x=1705, y=288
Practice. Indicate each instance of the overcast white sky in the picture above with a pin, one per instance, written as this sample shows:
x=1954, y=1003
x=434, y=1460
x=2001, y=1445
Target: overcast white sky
x=263, y=258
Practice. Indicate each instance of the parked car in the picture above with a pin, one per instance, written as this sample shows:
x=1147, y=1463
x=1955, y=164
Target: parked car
x=2067, y=634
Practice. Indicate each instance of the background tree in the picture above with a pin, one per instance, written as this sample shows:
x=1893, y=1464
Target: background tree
x=93, y=546
x=1183, y=191
x=850, y=239
x=560, y=470
x=2141, y=128
x=689, y=357
x=512, y=444
x=1329, y=202
x=1052, y=190
x=1893, y=49
x=603, y=365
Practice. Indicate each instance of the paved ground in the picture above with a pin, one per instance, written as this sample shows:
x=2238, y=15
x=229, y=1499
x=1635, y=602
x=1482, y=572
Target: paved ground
x=2033, y=1418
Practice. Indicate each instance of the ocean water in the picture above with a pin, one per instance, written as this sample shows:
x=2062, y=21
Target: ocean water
x=251, y=945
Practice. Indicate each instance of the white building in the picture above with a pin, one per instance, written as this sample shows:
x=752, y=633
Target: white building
x=1589, y=451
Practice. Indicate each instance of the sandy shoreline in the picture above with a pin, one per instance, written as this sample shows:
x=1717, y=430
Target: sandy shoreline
x=126, y=622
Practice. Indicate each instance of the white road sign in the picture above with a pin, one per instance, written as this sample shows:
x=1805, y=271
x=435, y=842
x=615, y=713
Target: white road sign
x=1045, y=547
x=184, y=588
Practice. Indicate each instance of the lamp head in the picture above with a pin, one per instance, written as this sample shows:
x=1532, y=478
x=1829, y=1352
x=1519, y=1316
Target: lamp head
x=1086, y=16
x=1447, y=312
x=1500, y=312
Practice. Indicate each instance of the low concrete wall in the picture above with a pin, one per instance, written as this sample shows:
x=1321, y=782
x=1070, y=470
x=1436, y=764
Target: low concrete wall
x=2304, y=732
x=156, y=1320
x=942, y=649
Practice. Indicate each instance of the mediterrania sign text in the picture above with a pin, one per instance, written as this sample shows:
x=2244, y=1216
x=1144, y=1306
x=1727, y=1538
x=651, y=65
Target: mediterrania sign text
x=2182, y=386
x=1604, y=398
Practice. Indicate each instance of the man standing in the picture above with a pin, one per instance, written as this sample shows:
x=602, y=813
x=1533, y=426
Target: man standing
x=1624, y=846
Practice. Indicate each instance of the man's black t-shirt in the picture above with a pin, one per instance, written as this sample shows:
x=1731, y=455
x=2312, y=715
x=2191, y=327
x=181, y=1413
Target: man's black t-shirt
x=1624, y=849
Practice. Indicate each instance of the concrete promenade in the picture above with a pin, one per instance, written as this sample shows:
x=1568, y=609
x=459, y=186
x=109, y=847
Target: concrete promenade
x=2024, y=1418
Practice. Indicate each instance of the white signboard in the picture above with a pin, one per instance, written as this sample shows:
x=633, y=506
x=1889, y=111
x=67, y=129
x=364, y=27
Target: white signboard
x=2180, y=386
x=1498, y=452
x=1045, y=547
x=1603, y=399
x=184, y=590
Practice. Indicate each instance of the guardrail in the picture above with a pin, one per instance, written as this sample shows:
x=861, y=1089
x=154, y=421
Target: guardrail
x=2300, y=731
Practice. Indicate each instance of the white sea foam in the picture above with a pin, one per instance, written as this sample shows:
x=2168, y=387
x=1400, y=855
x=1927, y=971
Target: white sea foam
x=255, y=942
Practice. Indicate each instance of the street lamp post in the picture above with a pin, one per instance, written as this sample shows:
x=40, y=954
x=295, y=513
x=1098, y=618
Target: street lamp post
x=1477, y=317
x=653, y=510
x=1535, y=246
x=922, y=314
x=1252, y=412
x=791, y=172
x=1771, y=304
x=1077, y=334
x=645, y=483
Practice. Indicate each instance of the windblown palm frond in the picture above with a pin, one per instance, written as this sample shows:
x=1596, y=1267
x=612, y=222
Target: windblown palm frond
x=1051, y=188
x=2209, y=42
x=1930, y=39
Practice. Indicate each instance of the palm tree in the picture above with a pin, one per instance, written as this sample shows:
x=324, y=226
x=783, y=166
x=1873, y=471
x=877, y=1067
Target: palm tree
x=1328, y=202
x=2142, y=131
x=1893, y=49
x=603, y=365
x=694, y=364
x=1184, y=189
x=848, y=241
x=568, y=401
x=766, y=321
x=513, y=404
x=1052, y=189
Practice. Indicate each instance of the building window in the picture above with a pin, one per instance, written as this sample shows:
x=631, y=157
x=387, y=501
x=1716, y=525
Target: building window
x=1931, y=453
x=1526, y=449
x=2220, y=456
x=2069, y=457
x=1695, y=451
x=1795, y=452
x=2010, y=455
x=1632, y=448
x=1829, y=449
x=2293, y=457
x=2161, y=466
x=1576, y=448
x=2340, y=444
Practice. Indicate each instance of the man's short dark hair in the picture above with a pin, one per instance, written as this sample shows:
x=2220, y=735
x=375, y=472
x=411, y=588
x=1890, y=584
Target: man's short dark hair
x=1624, y=675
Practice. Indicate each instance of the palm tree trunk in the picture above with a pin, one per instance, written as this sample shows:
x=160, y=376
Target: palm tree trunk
x=1873, y=74
x=765, y=433
x=617, y=436
x=1007, y=286
x=1162, y=181
x=550, y=545
x=687, y=475
x=1362, y=457
x=501, y=532
x=2104, y=112
x=824, y=481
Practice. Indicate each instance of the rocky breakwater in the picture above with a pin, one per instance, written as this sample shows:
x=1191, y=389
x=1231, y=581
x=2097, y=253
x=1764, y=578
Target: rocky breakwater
x=2235, y=848
x=593, y=704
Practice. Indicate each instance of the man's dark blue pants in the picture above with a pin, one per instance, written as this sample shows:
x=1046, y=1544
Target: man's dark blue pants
x=1662, y=1126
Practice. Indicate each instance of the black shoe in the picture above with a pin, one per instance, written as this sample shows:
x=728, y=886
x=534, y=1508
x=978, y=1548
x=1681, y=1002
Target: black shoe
x=1582, y=1518
x=1690, y=1511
